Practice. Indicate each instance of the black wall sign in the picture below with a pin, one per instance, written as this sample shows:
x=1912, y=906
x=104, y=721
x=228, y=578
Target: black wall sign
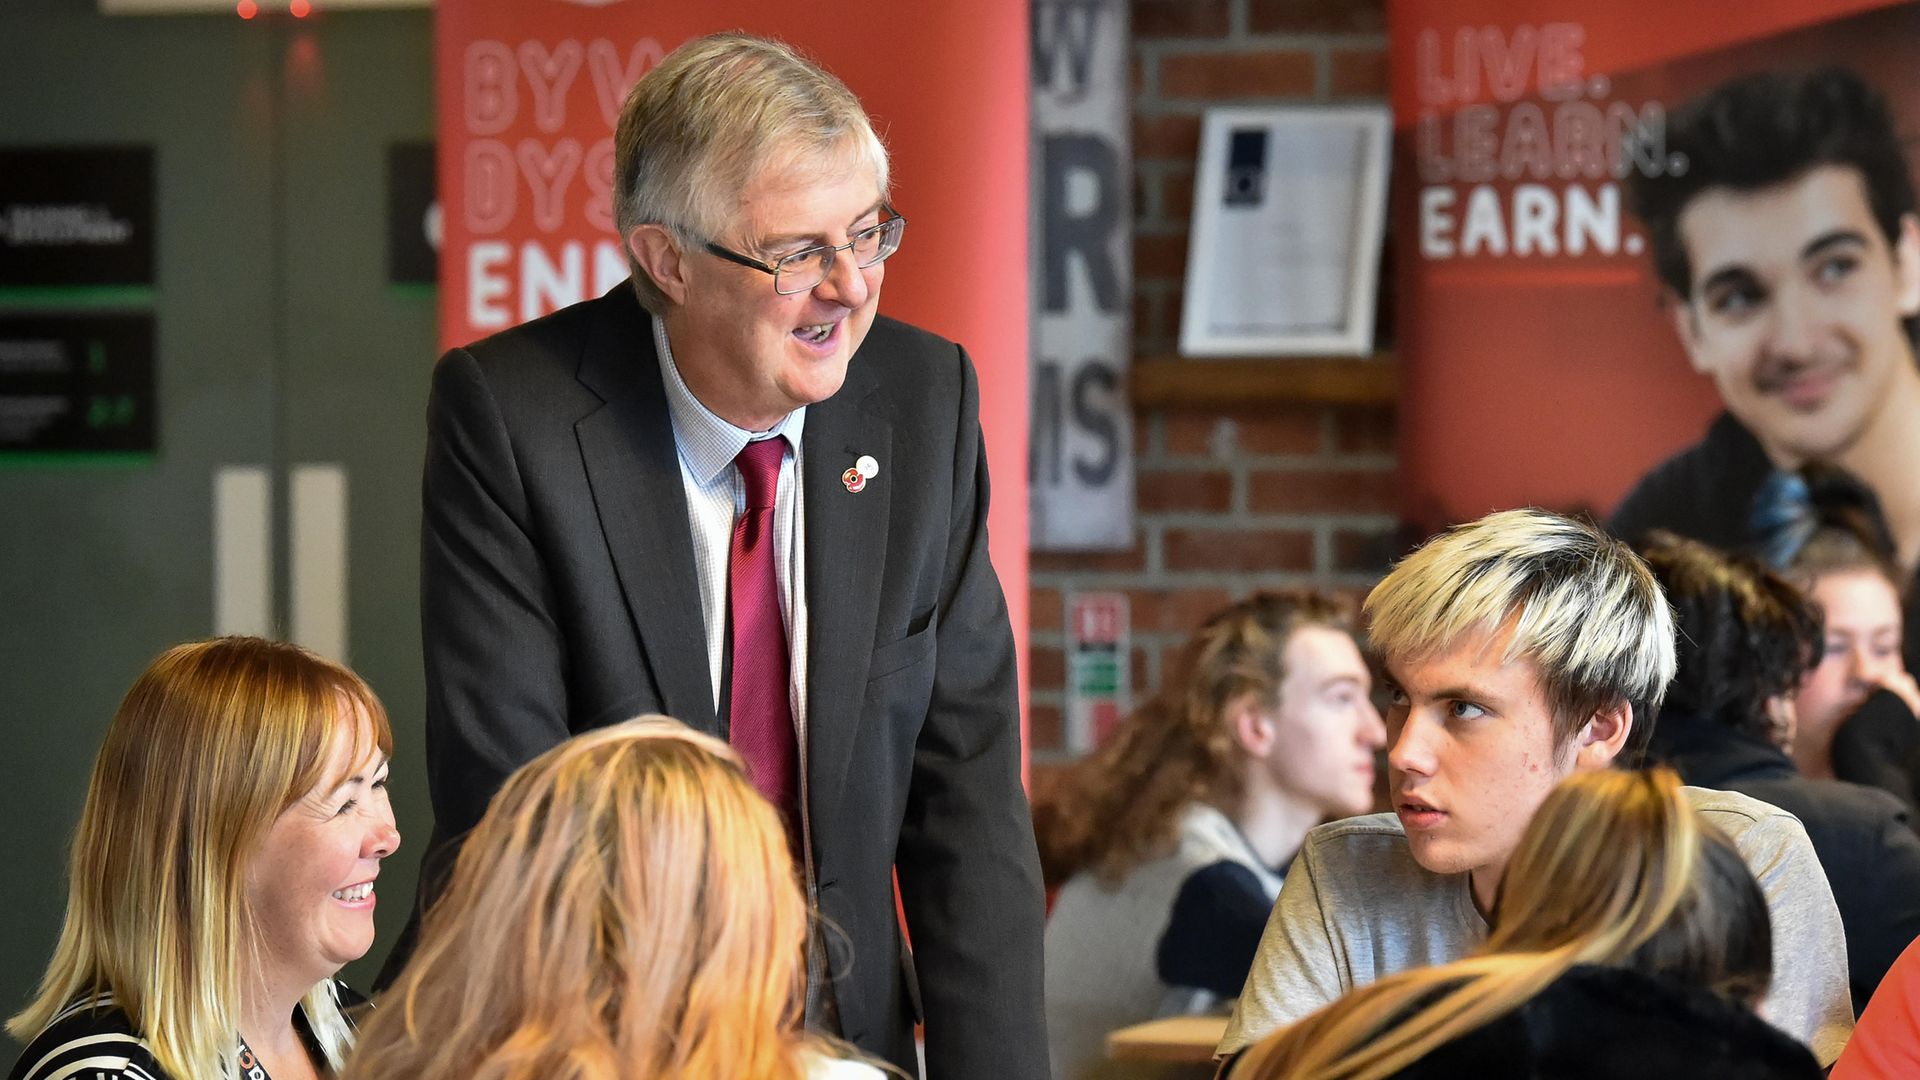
x=80, y=382
x=413, y=217
x=76, y=215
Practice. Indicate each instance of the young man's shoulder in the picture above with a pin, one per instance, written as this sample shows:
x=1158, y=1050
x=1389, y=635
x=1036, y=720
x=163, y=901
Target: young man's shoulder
x=1735, y=813
x=1364, y=833
x=1364, y=854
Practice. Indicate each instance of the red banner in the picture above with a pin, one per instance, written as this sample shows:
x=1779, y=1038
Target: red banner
x=529, y=93
x=1539, y=366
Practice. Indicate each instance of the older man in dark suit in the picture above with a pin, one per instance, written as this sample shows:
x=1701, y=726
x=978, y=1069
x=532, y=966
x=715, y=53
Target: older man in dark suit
x=731, y=492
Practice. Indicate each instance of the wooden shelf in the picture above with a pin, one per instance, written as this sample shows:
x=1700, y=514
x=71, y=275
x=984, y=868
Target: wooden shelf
x=1176, y=383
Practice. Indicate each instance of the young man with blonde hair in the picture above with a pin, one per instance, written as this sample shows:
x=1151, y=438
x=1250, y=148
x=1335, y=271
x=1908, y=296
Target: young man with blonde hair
x=1519, y=649
x=732, y=492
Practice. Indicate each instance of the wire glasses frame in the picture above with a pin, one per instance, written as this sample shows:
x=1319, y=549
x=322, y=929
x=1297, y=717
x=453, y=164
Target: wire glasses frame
x=804, y=270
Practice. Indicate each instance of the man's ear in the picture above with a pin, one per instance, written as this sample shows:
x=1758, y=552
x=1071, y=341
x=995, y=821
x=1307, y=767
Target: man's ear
x=1906, y=266
x=657, y=253
x=1252, y=726
x=1686, y=326
x=1603, y=737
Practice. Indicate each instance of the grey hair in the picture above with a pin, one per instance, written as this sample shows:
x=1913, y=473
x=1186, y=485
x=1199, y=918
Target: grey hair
x=698, y=128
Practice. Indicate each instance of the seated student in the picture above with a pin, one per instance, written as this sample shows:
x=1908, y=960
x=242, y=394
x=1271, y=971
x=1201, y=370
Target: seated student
x=1886, y=1043
x=627, y=907
x=222, y=873
x=1520, y=648
x=1746, y=639
x=1855, y=712
x=1173, y=837
x=1629, y=940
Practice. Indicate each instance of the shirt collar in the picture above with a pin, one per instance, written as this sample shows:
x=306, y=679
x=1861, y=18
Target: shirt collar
x=707, y=443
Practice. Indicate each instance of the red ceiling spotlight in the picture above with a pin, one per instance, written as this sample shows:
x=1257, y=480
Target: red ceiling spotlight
x=246, y=9
x=300, y=9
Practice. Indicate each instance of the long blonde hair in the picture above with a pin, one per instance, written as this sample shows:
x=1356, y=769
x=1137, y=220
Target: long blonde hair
x=1615, y=869
x=215, y=739
x=627, y=908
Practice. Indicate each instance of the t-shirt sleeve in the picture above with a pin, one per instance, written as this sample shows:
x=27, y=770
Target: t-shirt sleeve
x=1886, y=1044
x=1214, y=929
x=1296, y=969
x=1809, y=999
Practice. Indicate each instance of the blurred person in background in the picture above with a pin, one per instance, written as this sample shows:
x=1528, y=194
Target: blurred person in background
x=1855, y=714
x=1172, y=839
x=627, y=909
x=223, y=871
x=1629, y=940
x=1746, y=639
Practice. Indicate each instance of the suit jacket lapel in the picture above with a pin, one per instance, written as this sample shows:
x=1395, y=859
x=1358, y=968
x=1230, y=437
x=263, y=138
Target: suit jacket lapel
x=633, y=469
x=846, y=545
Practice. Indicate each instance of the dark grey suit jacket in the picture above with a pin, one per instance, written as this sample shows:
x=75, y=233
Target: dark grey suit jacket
x=559, y=594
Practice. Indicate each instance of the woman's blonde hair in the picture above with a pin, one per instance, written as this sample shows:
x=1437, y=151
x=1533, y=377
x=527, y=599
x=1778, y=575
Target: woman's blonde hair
x=215, y=739
x=1120, y=805
x=626, y=908
x=1617, y=869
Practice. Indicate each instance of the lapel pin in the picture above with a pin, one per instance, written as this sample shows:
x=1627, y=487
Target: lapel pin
x=864, y=469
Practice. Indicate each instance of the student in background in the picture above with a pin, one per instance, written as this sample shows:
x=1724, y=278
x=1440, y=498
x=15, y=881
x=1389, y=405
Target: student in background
x=1855, y=710
x=1173, y=838
x=1629, y=940
x=1746, y=639
x=627, y=908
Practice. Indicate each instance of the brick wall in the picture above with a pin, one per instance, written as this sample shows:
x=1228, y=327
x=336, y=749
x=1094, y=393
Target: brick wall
x=1228, y=502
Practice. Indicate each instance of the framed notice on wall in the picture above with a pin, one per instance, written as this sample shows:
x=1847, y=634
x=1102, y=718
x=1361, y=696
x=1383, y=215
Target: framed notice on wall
x=1284, y=257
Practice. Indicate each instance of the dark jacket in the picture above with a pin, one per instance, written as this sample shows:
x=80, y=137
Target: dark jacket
x=559, y=594
x=1861, y=834
x=1879, y=745
x=1705, y=493
x=1597, y=1023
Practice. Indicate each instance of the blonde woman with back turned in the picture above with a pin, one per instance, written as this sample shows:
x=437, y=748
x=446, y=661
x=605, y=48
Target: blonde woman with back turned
x=222, y=872
x=627, y=909
x=1629, y=939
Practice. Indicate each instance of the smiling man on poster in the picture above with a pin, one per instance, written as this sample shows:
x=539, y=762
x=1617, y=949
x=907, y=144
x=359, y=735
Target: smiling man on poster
x=731, y=492
x=1789, y=250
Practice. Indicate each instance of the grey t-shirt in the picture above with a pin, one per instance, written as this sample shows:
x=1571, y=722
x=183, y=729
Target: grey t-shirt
x=1356, y=907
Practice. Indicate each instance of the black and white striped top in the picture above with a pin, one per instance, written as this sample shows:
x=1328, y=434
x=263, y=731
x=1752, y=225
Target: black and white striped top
x=92, y=1039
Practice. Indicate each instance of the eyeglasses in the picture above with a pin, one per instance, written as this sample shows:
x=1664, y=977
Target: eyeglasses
x=804, y=270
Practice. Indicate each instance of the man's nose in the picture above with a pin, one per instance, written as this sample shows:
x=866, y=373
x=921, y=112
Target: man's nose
x=1413, y=750
x=845, y=283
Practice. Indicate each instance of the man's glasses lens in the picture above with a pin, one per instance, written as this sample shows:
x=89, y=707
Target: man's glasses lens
x=805, y=270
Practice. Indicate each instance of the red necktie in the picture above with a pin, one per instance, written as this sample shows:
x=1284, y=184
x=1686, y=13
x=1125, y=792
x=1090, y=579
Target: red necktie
x=760, y=716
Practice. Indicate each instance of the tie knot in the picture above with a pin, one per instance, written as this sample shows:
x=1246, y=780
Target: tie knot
x=759, y=465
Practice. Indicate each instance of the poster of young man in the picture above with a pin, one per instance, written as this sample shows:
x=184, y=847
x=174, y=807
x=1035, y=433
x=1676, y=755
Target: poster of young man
x=1630, y=231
